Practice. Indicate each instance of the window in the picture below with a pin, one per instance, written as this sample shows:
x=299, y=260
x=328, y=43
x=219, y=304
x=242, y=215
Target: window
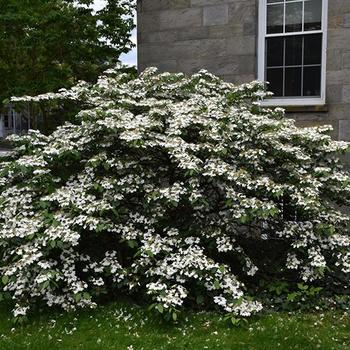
x=292, y=50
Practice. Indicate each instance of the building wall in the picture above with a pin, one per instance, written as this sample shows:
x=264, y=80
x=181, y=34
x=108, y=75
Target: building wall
x=221, y=36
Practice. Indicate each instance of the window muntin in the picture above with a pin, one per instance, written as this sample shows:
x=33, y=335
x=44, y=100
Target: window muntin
x=294, y=45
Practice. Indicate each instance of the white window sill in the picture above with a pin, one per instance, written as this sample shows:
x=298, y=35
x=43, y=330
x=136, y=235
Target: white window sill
x=291, y=102
x=290, y=107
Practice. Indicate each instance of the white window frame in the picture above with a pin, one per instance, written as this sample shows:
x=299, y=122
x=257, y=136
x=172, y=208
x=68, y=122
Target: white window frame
x=292, y=101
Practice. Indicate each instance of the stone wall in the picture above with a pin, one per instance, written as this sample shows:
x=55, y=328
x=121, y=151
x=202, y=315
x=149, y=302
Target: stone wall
x=221, y=36
x=186, y=35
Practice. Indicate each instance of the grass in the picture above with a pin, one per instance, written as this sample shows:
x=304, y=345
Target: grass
x=120, y=326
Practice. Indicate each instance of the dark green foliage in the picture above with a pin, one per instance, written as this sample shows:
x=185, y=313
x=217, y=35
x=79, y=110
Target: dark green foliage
x=50, y=44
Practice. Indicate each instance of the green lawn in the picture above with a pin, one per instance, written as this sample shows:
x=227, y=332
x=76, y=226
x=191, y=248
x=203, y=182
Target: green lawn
x=121, y=326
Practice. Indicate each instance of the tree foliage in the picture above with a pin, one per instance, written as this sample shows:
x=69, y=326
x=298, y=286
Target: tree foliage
x=50, y=44
x=183, y=189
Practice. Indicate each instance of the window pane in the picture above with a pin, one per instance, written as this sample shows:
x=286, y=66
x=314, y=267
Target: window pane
x=293, y=82
x=313, y=15
x=6, y=121
x=294, y=17
x=312, y=81
x=294, y=50
x=313, y=49
x=272, y=1
x=274, y=19
x=274, y=51
x=275, y=78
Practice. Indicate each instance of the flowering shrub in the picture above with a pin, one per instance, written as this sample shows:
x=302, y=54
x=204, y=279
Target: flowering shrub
x=183, y=189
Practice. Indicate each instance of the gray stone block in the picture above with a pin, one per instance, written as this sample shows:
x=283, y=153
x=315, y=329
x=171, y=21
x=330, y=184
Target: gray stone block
x=247, y=64
x=334, y=93
x=241, y=45
x=183, y=18
x=228, y=31
x=346, y=22
x=344, y=130
x=346, y=95
x=338, y=111
x=163, y=66
x=338, y=38
x=335, y=22
x=242, y=12
x=155, y=52
x=219, y=66
x=158, y=37
x=195, y=3
x=346, y=75
x=335, y=77
x=337, y=7
x=238, y=79
x=147, y=22
x=312, y=118
x=157, y=5
x=215, y=15
x=195, y=49
x=346, y=59
x=193, y=34
x=334, y=59
x=250, y=28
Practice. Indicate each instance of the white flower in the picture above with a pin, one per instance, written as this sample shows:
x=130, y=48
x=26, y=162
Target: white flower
x=170, y=186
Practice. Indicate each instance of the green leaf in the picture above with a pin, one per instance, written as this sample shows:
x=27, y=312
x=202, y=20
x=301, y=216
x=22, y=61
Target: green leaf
x=243, y=219
x=217, y=284
x=100, y=228
x=160, y=308
x=44, y=205
x=222, y=268
x=60, y=244
x=149, y=253
x=174, y=204
x=302, y=286
x=87, y=296
x=229, y=202
x=292, y=296
x=200, y=299
x=106, y=166
x=152, y=306
x=45, y=284
x=77, y=297
x=235, y=321
x=115, y=212
x=5, y=280
x=174, y=316
x=132, y=244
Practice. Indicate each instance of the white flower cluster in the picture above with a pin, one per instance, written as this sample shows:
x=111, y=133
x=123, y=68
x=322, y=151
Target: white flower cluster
x=169, y=185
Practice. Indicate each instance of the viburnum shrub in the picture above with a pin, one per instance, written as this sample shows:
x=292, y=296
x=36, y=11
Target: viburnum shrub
x=181, y=189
